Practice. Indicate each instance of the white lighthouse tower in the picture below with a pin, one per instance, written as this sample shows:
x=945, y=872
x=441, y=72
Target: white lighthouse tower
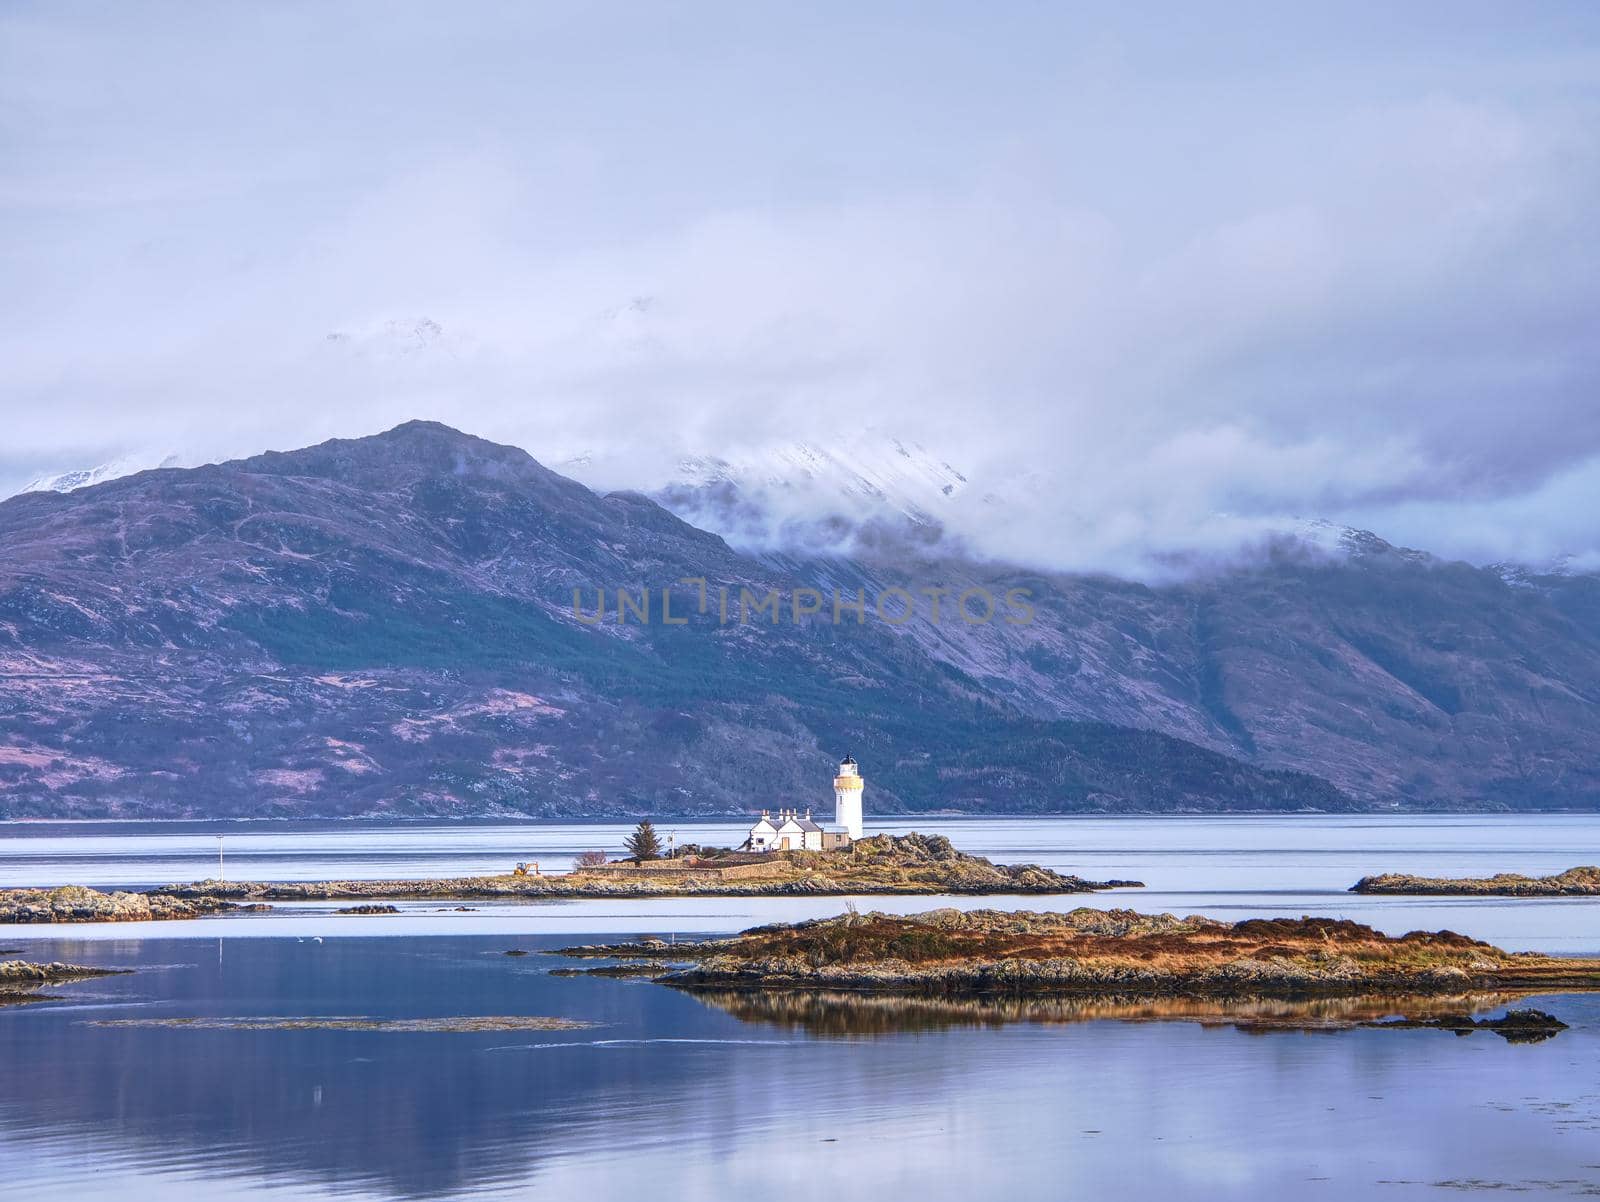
x=847, y=797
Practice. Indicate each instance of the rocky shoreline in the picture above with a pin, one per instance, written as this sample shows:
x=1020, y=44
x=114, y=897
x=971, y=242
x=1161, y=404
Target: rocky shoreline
x=1574, y=882
x=76, y=903
x=908, y=864
x=1098, y=953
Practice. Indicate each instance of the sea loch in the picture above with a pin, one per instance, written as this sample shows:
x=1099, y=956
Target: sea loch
x=141, y=1082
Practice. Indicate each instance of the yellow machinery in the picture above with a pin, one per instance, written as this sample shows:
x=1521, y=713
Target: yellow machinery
x=527, y=869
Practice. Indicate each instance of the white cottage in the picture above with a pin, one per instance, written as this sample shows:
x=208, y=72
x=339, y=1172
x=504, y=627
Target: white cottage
x=790, y=830
x=800, y=833
x=763, y=835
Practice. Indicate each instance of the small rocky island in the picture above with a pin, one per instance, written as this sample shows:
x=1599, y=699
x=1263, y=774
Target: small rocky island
x=1574, y=882
x=20, y=980
x=1098, y=953
x=916, y=865
x=880, y=864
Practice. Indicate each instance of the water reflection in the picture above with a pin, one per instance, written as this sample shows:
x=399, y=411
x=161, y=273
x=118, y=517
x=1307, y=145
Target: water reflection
x=838, y=1014
x=398, y=1114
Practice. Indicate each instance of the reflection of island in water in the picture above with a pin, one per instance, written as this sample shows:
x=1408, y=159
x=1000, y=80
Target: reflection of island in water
x=834, y=1013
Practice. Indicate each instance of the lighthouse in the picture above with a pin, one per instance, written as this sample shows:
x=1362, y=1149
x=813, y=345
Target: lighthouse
x=847, y=797
x=788, y=831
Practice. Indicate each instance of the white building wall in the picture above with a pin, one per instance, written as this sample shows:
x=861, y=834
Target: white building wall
x=847, y=789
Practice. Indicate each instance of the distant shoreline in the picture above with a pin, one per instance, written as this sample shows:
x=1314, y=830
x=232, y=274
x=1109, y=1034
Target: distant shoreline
x=743, y=817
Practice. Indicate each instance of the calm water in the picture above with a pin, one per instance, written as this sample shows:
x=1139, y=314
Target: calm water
x=672, y=1096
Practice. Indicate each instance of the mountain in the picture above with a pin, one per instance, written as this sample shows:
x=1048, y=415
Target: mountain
x=387, y=624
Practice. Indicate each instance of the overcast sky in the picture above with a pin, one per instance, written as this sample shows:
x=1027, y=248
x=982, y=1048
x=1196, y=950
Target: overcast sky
x=1186, y=271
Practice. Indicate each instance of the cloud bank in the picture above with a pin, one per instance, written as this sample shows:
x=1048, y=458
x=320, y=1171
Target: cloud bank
x=1158, y=285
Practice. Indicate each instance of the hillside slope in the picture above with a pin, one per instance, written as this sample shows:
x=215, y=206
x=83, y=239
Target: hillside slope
x=1394, y=675
x=386, y=624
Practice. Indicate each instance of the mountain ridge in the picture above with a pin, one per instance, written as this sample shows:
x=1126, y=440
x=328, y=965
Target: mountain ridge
x=386, y=625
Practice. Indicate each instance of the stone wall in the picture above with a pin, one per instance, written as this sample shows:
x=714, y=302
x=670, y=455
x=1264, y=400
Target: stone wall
x=674, y=868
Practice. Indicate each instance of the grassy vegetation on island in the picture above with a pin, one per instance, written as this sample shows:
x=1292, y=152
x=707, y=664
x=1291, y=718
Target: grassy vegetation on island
x=1100, y=952
x=1574, y=882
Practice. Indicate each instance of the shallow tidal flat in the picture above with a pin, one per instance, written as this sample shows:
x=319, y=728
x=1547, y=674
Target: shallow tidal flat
x=458, y=1024
x=1104, y=953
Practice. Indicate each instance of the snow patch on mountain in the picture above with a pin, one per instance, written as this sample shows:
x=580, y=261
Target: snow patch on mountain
x=818, y=495
x=76, y=478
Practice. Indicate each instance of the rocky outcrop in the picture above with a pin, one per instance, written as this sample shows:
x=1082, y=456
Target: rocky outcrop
x=1101, y=952
x=25, y=972
x=1574, y=882
x=932, y=859
x=1515, y=1026
x=76, y=903
x=19, y=979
